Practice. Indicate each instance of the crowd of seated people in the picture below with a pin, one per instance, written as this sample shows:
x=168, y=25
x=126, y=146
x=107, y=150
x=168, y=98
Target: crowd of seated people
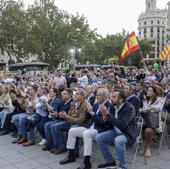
x=85, y=106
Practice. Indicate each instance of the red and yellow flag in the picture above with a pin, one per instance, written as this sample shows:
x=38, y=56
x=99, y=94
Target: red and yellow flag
x=164, y=53
x=131, y=45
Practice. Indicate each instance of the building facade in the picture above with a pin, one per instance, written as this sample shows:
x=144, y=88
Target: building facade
x=154, y=25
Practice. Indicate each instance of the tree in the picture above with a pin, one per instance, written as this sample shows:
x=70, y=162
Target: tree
x=13, y=30
x=103, y=49
x=53, y=32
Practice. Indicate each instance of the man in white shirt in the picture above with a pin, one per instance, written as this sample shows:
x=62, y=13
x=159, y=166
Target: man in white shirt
x=84, y=79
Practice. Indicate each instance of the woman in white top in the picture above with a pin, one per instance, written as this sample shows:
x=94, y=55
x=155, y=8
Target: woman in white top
x=152, y=107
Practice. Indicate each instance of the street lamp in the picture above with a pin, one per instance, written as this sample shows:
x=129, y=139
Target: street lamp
x=73, y=56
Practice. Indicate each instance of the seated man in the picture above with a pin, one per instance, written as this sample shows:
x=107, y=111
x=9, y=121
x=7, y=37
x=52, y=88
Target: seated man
x=88, y=132
x=75, y=115
x=122, y=117
x=131, y=98
x=64, y=106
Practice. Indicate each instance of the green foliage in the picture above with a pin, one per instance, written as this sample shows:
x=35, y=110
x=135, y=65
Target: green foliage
x=48, y=33
x=13, y=30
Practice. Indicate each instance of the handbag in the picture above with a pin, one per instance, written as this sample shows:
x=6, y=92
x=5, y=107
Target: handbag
x=151, y=119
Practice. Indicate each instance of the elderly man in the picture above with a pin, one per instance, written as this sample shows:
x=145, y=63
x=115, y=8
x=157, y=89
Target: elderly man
x=88, y=132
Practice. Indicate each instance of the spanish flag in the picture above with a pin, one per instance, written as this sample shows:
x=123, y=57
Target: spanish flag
x=131, y=45
x=164, y=53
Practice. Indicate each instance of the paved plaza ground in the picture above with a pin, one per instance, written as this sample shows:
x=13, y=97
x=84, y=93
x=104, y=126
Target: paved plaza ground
x=14, y=156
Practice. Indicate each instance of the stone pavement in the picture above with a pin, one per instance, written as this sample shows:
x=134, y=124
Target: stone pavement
x=14, y=156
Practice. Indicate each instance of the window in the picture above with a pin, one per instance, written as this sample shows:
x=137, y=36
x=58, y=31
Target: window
x=158, y=29
x=151, y=29
x=157, y=22
x=145, y=23
x=152, y=42
x=145, y=30
x=151, y=22
x=151, y=55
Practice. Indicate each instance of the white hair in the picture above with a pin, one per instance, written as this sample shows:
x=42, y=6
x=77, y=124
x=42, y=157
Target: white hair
x=103, y=91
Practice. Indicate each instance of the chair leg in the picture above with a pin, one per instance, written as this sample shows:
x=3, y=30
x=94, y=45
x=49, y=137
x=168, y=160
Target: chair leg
x=162, y=138
x=134, y=159
x=167, y=138
x=144, y=152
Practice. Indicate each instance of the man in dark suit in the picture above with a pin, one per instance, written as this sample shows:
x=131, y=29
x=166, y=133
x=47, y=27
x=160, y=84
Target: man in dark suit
x=122, y=117
x=139, y=91
x=131, y=98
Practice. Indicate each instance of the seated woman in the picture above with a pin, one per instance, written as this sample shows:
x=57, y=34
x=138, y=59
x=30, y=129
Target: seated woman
x=20, y=120
x=7, y=126
x=6, y=104
x=39, y=114
x=152, y=106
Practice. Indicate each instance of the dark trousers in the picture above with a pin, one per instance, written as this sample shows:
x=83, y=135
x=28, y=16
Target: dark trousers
x=40, y=126
x=7, y=124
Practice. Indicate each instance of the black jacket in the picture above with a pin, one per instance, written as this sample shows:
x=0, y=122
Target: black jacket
x=126, y=121
x=135, y=101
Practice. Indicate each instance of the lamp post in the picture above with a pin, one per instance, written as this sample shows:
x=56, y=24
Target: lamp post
x=73, y=56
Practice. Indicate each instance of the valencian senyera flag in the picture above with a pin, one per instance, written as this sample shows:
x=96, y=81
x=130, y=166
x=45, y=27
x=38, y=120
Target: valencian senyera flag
x=131, y=45
x=164, y=53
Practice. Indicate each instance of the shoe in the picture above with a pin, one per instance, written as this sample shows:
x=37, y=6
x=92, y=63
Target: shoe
x=4, y=132
x=60, y=151
x=43, y=142
x=15, y=141
x=46, y=147
x=14, y=135
x=67, y=160
x=29, y=143
x=53, y=150
x=148, y=153
x=84, y=166
x=22, y=140
x=141, y=152
x=108, y=165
